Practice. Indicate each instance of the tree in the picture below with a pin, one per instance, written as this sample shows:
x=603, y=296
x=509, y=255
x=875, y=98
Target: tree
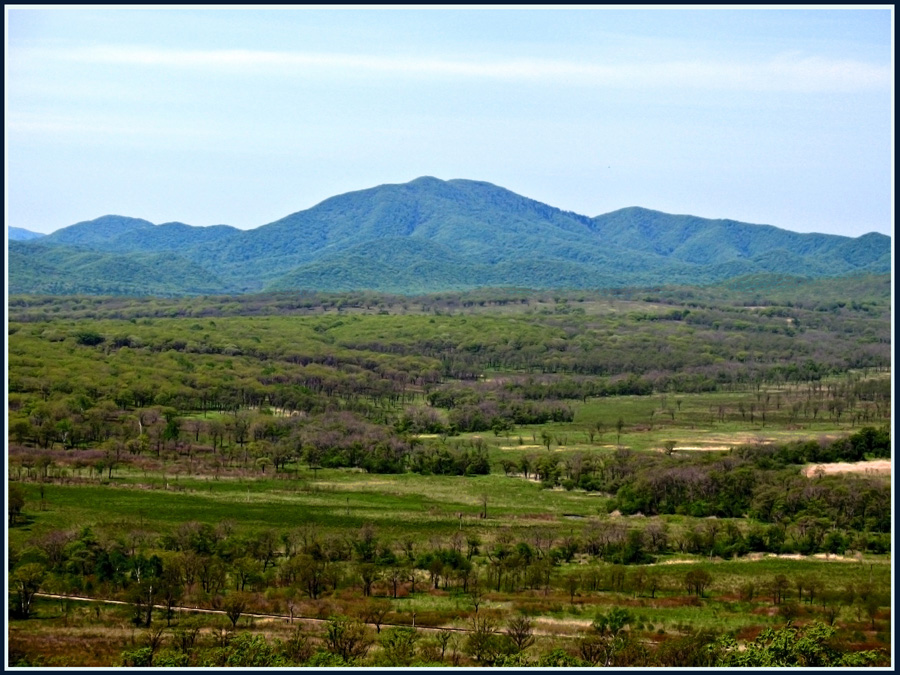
x=484, y=643
x=520, y=631
x=15, y=503
x=368, y=574
x=398, y=647
x=25, y=582
x=476, y=593
x=396, y=575
x=697, y=581
x=142, y=596
x=234, y=605
x=245, y=650
x=297, y=648
x=171, y=590
x=810, y=647
x=572, y=583
x=546, y=439
x=606, y=638
x=347, y=638
x=375, y=611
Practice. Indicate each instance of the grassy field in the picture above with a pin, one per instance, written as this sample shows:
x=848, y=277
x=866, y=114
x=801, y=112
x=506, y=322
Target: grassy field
x=141, y=501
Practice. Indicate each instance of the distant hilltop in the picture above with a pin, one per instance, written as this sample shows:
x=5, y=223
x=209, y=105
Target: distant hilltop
x=428, y=235
x=21, y=234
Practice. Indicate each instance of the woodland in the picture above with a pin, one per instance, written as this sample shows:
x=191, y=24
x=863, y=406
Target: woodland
x=687, y=476
x=426, y=236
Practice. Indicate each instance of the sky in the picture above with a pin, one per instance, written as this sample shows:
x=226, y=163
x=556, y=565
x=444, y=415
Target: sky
x=241, y=116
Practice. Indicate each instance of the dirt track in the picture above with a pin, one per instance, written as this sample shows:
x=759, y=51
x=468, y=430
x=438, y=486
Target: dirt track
x=267, y=617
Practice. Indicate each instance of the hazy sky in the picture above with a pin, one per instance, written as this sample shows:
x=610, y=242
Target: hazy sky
x=242, y=116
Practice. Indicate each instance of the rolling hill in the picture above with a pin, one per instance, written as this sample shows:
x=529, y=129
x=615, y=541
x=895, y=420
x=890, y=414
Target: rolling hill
x=21, y=234
x=427, y=235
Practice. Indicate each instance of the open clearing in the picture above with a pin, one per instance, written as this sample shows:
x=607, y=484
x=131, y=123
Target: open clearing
x=875, y=466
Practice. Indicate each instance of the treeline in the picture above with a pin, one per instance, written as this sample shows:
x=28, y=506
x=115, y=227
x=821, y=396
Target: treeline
x=784, y=510
x=718, y=341
x=72, y=383
x=201, y=565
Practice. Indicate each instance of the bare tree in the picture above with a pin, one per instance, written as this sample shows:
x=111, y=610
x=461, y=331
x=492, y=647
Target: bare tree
x=520, y=631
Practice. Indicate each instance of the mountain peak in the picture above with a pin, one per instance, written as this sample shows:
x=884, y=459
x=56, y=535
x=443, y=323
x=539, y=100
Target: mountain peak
x=99, y=230
x=21, y=234
x=363, y=239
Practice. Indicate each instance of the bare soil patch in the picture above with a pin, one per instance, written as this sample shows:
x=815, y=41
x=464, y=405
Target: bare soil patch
x=702, y=448
x=875, y=466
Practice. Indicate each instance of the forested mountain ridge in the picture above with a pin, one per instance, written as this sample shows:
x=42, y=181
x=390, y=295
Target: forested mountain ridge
x=429, y=235
x=21, y=234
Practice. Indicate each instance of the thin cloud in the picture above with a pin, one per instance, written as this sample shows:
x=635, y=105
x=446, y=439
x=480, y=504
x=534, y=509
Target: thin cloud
x=788, y=72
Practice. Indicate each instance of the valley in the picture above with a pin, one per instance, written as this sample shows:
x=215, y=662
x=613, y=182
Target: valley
x=496, y=477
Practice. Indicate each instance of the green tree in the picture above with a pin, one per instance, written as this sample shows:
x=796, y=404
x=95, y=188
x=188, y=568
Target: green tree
x=347, y=638
x=398, y=647
x=697, y=581
x=606, y=638
x=235, y=604
x=246, y=650
x=484, y=642
x=811, y=646
x=15, y=503
x=24, y=583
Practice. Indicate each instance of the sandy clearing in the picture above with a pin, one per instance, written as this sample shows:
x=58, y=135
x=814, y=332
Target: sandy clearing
x=561, y=623
x=756, y=557
x=875, y=466
x=704, y=448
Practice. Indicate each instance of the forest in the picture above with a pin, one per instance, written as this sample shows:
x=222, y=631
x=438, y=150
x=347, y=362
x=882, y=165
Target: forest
x=426, y=236
x=669, y=476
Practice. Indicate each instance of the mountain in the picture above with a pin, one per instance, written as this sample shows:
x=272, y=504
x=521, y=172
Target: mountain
x=430, y=235
x=95, y=233
x=61, y=270
x=21, y=234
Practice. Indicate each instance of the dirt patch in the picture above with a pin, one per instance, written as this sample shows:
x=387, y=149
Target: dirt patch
x=694, y=448
x=756, y=556
x=838, y=558
x=876, y=466
x=556, y=624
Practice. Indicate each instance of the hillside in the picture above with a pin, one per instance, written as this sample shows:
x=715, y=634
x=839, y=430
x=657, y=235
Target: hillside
x=59, y=270
x=429, y=235
x=21, y=234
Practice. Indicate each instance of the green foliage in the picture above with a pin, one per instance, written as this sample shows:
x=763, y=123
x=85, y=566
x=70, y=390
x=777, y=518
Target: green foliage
x=325, y=659
x=427, y=236
x=484, y=642
x=347, y=638
x=245, y=650
x=24, y=582
x=559, y=658
x=142, y=657
x=811, y=646
x=398, y=647
x=215, y=452
x=15, y=503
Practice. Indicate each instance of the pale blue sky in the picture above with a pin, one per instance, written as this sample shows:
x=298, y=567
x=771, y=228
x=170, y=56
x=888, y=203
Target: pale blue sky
x=242, y=116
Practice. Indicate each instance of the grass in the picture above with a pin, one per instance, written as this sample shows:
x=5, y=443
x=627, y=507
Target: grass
x=157, y=498
x=337, y=501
